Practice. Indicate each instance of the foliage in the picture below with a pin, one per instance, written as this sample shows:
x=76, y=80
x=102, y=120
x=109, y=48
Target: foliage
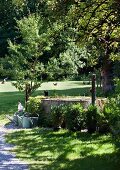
x=116, y=68
x=73, y=59
x=73, y=33
x=89, y=26
x=117, y=86
x=34, y=105
x=94, y=24
x=7, y=25
x=6, y=69
x=103, y=126
x=70, y=116
x=91, y=118
x=24, y=57
x=75, y=117
x=53, y=69
x=58, y=115
x=34, y=108
x=112, y=114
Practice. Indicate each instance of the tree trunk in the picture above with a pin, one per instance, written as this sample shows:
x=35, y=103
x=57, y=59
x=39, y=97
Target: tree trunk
x=107, y=76
x=27, y=94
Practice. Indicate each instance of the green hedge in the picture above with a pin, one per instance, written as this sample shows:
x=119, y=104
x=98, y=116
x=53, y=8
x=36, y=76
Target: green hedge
x=70, y=116
x=75, y=117
x=111, y=113
x=58, y=115
x=34, y=105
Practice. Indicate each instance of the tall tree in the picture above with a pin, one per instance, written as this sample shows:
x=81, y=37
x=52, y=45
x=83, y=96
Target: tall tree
x=10, y=12
x=96, y=25
x=26, y=57
x=7, y=23
x=90, y=24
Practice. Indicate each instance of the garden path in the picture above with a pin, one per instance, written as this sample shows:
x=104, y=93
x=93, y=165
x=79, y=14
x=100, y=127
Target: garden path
x=8, y=160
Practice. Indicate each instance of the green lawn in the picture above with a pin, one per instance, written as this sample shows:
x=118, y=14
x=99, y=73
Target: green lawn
x=8, y=103
x=45, y=149
x=70, y=88
x=9, y=95
x=63, y=150
x=63, y=85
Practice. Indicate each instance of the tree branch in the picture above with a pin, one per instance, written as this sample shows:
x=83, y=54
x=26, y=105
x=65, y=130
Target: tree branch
x=93, y=13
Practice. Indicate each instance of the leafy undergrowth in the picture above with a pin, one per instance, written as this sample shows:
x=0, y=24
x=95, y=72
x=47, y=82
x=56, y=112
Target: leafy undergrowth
x=48, y=150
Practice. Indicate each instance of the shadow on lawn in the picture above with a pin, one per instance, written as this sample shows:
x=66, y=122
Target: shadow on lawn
x=9, y=100
x=51, y=150
x=83, y=91
x=94, y=162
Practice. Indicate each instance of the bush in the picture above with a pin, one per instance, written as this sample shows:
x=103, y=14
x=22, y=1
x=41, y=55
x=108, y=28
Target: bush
x=34, y=108
x=58, y=115
x=111, y=112
x=117, y=87
x=74, y=117
x=91, y=118
x=34, y=105
x=102, y=123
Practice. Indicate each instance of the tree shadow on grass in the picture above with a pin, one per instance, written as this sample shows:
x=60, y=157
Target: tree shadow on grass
x=82, y=91
x=9, y=100
x=94, y=162
x=52, y=150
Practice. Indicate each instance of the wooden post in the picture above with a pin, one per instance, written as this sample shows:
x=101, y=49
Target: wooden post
x=93, y=90
x=26, y=96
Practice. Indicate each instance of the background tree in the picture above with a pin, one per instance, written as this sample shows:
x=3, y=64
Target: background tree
x=93, y=25
x=7, y=25
x=96, y=25
x=25, y=57
x=68, y=63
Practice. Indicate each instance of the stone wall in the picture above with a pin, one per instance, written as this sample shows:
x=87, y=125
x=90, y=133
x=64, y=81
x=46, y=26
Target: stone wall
x=47, y=103
x=85, y=101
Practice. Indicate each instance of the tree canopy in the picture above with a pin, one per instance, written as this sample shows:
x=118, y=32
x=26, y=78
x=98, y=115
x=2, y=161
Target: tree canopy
x=72, y=33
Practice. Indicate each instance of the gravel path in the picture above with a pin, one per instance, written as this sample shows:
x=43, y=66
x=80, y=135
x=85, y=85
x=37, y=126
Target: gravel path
x=8, y=161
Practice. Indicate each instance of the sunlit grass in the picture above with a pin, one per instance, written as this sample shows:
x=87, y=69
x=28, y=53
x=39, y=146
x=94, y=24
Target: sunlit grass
x=46, y=149
x=9, y=95
x=8, y=104
x=61, y=85
x=63, y=88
